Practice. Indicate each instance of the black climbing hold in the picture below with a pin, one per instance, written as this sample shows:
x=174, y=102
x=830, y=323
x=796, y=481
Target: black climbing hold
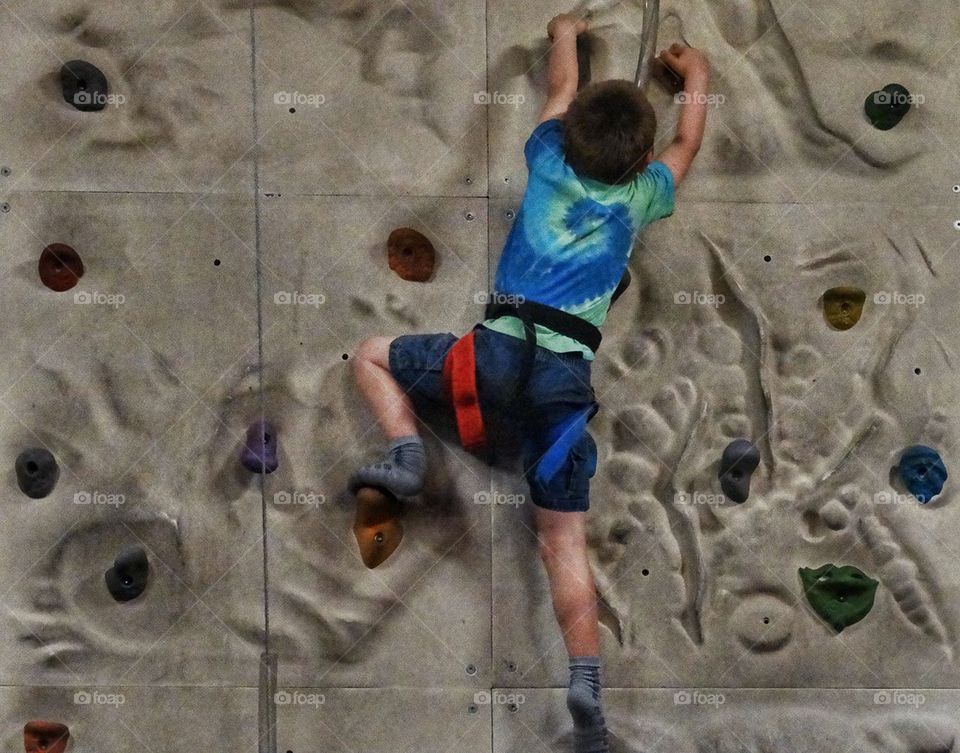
x=887, y=107
x=842, y=596
x=922, y=471
x=127, y=579
x=84, y=86
x=260, y=449
x=737, y=464
x=37, y=472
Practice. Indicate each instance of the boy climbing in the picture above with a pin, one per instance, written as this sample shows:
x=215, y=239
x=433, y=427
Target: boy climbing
x=593, y=185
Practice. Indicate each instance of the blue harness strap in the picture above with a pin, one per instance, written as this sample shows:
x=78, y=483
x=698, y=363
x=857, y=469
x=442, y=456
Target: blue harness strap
x=560, y=441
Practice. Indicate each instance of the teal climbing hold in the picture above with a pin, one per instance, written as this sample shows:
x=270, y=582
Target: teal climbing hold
x=842, y=596
x=887, y=107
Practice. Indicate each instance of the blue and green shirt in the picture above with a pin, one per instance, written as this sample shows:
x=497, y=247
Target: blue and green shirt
x=572, y=236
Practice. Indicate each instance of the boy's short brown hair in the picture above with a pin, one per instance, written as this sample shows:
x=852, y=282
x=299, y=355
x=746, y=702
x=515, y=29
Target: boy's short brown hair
x=608, y=130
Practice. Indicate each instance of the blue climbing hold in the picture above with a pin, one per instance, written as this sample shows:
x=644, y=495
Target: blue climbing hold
x=922, y=472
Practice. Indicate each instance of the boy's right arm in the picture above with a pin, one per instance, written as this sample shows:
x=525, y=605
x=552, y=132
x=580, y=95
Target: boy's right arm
x=691, y=65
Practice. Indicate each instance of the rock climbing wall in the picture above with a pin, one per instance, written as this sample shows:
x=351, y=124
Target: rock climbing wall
x=223, y=207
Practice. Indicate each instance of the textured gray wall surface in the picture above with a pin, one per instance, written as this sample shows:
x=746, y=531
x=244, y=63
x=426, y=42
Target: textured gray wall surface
x=231, y=205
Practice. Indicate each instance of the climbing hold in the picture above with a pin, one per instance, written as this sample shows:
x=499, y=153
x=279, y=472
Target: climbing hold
x=45, y=737
x=377, y=525
x=842, y=596
x=763, y=622
x=411, y=254
x=887, y=107
x=127, y=579
x=922, y=471
x=842, y=306
x=60, y=267
x=260, y=448
x=84, y=86
x=37, y=472
x=737, y=464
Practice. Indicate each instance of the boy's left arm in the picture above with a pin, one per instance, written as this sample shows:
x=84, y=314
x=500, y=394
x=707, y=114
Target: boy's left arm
x=562, y=72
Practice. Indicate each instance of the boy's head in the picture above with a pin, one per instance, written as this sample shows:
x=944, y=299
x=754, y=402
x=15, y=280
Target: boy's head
x=608, y=131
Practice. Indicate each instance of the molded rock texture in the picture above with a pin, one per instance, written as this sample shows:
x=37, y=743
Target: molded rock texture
x=231, y=203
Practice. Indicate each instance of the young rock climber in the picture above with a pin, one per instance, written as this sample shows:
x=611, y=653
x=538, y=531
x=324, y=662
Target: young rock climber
x=593, y=185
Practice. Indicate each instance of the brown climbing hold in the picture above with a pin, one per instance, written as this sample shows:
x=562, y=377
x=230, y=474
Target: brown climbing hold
x=60, y=267
x=45, y=737
x=842, y=306
x=377, y=527
x=410, y=254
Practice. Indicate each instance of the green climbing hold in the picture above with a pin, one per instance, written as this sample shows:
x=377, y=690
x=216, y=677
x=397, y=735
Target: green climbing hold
x=842, y=596
x=887, y=107
x=843, y=306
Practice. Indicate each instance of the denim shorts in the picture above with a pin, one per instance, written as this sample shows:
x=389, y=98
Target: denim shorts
x=558, y=388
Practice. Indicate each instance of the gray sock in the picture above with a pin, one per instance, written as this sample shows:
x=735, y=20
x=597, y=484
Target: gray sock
x=401, y=471
x=583, y=702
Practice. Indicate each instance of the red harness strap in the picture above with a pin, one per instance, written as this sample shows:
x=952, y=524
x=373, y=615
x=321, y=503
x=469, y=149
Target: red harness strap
x=460, y=380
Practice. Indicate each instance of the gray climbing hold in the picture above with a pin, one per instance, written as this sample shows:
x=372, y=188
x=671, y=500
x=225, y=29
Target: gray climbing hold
x=127, y=579
x=737, y=464
x=37, y=472
x=888, y=106
x=84, y=86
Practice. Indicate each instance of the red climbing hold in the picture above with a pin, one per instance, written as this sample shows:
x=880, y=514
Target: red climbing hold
x=410, y=254
x=60, y=267
x=45, y=737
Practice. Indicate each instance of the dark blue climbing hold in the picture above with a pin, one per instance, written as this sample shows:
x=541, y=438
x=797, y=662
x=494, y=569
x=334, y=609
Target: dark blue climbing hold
x=922, y=472
x=887, y=107
x=737, y=464
x=37, y=472
x=127, y=579
x=259, y=453
x=84, y=86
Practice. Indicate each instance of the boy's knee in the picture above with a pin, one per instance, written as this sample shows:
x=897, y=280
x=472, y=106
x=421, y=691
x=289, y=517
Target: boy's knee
x=561, y=538
x=374, y=350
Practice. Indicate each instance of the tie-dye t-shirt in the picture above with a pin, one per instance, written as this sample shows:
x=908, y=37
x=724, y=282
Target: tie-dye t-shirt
x=572, y=237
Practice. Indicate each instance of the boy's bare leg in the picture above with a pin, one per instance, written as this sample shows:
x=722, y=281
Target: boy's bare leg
x=388, y=403
x=401, y=471
x=562, y=542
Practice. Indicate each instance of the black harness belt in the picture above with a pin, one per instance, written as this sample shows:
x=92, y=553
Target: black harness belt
x=459, y=368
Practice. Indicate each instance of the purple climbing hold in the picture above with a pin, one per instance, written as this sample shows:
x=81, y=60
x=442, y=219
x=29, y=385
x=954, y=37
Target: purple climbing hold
x=259, y=453
x=37, y=472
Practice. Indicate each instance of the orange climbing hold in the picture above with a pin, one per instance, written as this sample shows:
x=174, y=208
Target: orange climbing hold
x=377, y=525
x=45, y=737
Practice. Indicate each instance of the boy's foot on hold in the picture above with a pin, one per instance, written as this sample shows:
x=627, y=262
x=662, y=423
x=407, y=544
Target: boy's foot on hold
x=401, y=471
x=583, y=702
